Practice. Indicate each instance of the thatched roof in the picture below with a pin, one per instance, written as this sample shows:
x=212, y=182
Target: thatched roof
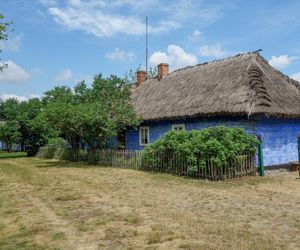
x=244, y=84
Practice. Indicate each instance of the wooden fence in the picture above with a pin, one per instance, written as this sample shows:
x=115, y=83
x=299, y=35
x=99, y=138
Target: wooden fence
x=176, y=164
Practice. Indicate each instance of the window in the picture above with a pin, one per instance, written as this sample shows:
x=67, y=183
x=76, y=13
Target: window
x=144, y=136
x=178, y=127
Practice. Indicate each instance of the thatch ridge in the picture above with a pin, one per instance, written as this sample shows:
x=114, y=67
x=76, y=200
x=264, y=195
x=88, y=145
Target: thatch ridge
x=216, y=60
x=244, y=84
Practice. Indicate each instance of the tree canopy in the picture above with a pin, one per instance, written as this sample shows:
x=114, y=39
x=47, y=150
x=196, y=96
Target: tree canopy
x=90, y=115
x=22, y=123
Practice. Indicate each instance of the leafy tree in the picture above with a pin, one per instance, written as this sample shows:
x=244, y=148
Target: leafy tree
x=9, y=109
x=33, y=128
x=57, y=142
x=9, y=133
x=152, y=72
x=91, y=115
x=9, y=127
x=3, y=34
x=111, y=99
x=39, y=133
x=33, y=131
x=61, y=114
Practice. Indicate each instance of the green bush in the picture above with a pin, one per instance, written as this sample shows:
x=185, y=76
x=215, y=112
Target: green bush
x=57, y=142
x=56, y=153
x=49, y=152
x=220, y=144
x=66, y=155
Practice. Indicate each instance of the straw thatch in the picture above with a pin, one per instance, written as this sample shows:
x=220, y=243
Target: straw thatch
x=240, y=85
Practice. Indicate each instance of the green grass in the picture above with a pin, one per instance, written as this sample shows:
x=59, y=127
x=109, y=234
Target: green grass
x=4, y=155
x=58, y=236
x=49, y=204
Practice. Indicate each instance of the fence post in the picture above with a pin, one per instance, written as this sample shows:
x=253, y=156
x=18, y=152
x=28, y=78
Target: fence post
x=260, y=157
x=299, y=154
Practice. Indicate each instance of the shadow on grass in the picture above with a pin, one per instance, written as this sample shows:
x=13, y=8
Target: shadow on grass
x=65, y=164
x=166, y=177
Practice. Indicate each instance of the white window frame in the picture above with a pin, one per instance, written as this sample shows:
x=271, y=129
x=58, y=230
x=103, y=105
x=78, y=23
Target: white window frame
x=176, y=126
x=140, y=136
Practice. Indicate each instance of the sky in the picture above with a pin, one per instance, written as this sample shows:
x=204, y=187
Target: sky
x=60, y=42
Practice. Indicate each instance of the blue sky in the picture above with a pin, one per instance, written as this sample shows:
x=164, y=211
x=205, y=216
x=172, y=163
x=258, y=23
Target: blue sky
x=59, y=42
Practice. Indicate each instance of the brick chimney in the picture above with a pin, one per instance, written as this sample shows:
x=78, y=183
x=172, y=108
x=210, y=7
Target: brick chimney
x=163, y=70
x=141, y=76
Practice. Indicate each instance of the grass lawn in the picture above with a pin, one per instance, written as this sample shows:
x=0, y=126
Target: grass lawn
x=12, y=154
x=57, y=205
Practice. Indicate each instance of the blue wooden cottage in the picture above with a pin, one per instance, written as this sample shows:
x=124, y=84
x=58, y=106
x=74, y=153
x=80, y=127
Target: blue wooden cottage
x=240, y=91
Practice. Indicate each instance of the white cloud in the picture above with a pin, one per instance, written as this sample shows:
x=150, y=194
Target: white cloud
x=195, y=36
x=296, y=76
x=120, y=55
x=14, y=73
x=106, y=18
x=12, y=96
x=12, y=44
x=176, y=56
x=34, y=96
x=159, y=57
x=282, y=61
x=20, y=98
x=65, y=75
x=215, y=51
x=92, y=17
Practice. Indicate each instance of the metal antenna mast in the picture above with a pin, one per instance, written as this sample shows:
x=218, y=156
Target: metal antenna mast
x=146, y=46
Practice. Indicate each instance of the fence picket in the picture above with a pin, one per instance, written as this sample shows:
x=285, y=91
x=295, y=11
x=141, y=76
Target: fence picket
x=176, y=164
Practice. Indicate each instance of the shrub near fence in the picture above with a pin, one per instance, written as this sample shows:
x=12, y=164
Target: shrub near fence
x=181, y=165
x=55, y=153
x=172, y=163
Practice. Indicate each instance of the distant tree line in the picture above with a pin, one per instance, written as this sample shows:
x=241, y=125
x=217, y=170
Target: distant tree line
x=83, y=115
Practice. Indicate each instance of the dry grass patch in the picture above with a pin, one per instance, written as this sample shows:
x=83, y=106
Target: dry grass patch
x=59, y=205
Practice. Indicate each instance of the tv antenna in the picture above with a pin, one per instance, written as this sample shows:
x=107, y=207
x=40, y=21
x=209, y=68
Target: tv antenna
x=146, y=46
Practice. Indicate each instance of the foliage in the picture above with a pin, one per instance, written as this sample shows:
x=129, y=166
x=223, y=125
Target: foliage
x=220, y=144
x=32, y=130
x=152, y=72
x=57, y=142
x=35, y=131
x=90, y=115
x=54, y=152
x=3, y=34
x=9, y=109
x=10, y=134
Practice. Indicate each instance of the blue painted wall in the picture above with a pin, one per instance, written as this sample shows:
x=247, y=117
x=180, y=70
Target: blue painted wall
x=279, y=135
x=158, y=129
x=279, y=139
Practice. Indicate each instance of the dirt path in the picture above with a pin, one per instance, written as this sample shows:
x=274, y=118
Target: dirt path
x=73, y=239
